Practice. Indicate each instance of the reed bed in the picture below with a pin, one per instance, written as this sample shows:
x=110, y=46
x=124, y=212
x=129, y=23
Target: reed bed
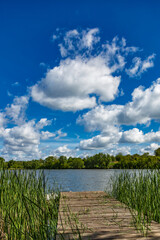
x=140, y=191
x=25, y=212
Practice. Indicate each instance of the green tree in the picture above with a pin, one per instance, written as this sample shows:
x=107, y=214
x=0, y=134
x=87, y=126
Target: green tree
x=1, y=162
x=99, y=160
x=157, y=152
x=49, y=162
x=76, y=163
x=11, y=163
x=62, y=162
x=119, y=157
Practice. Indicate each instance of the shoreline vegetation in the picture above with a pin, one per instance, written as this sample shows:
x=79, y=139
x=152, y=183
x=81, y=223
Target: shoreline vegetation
x=26, y=211
x=141, y=194
x=29, y=210
x=98, y=161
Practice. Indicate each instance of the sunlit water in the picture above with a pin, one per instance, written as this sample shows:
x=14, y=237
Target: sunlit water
x=82, y=180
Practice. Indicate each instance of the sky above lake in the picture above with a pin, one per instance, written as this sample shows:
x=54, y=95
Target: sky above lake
x=79, y=77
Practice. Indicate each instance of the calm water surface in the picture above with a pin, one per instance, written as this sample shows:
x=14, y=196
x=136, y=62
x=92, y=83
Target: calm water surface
x=82, y=180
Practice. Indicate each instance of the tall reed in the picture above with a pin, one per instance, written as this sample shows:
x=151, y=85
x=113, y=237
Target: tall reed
x=25, y=212
x=141, y=193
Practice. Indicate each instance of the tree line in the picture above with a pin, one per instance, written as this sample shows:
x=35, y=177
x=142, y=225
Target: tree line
x=98, y=161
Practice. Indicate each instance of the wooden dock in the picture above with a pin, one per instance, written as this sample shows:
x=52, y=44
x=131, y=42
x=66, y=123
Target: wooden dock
x=93, y=215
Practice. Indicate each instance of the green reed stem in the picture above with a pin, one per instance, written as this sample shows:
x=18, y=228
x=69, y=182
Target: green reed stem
x=25, y=212
x=140, y=191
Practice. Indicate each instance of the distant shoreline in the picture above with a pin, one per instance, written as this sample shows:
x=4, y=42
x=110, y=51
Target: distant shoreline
x=98, y=161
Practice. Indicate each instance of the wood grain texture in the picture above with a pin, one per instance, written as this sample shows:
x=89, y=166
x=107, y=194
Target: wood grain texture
x=94, y=215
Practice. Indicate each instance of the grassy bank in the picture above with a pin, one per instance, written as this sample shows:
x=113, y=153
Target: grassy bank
x=141, y=193
x=25, y=212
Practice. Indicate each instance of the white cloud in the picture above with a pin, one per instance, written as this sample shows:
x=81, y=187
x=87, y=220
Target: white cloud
x=16, y=110
x=63, y=151
x=119, y=149
x=152, y=136
x=96, y=142
x=139, y=66
x=68, y=87
x=90, y=37
x=150, y=148
x=75, y=41
x=86, y=77
x=43, y=123
x=105, y=139
x=132, y=136
x=2, y=120
x=100, y=117
x=22, y=141
x=112, y=135
x=46, y=134
x=144, y=106
x=115, y=53
x=60, y=134
x=83, y=77
x=22, y=138
x=142, y=109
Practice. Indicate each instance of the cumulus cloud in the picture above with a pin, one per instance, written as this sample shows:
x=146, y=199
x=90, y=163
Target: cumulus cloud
x=110, y=136
x=16, y=111
x=139, y=66
x=100, y=117
x=137, y=136
x=62, y=149
x=88, y=75
x=22, y=138
x=114, y=136
x=132, y=136
x=2, y=119
x=22, y=141
x=68, y=87
x=119, y=149
x=142, y=109
x=85, y=76
x=150, y=148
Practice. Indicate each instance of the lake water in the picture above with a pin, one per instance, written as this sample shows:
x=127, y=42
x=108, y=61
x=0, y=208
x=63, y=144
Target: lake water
x=82, y=180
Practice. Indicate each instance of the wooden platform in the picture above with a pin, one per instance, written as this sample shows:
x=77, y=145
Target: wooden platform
x=93, y=215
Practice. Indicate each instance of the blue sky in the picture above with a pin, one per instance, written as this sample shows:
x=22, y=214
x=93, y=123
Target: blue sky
x=79, y=77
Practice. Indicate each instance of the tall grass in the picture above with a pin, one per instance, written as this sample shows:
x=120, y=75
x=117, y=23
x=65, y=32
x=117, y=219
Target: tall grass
x=141, y=193
x=25, y=212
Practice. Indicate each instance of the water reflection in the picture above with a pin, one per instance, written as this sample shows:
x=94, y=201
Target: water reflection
x=81, y=180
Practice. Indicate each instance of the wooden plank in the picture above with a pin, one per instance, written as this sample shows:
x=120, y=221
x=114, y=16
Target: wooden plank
x=94, y=215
